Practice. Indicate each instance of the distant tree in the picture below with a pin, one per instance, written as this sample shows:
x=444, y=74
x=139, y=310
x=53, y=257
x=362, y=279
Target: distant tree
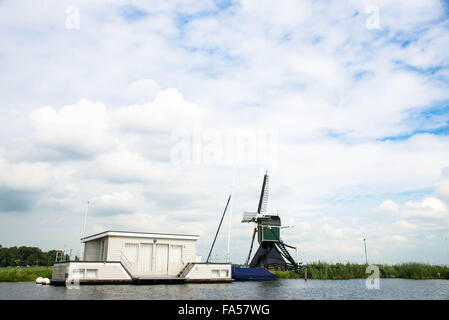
x=14, y=256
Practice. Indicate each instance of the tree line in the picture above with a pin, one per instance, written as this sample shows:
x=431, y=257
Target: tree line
x=28, y=256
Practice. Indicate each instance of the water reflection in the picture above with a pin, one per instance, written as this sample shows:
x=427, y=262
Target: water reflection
x=282, y=289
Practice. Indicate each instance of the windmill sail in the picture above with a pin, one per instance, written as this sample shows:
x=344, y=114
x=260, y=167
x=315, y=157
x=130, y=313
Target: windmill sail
x=263, y=201
x=249, y=216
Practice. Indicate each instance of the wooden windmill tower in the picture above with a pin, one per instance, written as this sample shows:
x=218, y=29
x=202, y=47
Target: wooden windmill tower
x=272, y=250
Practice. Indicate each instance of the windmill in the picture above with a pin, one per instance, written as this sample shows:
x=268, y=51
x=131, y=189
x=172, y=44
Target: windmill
x=272, y=251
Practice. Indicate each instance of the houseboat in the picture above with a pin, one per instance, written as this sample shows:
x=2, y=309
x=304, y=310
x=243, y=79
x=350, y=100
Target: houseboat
x=139, y=258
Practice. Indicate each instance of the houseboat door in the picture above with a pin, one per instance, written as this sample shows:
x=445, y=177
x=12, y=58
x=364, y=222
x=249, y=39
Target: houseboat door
x=146, y=253
x=162, y=258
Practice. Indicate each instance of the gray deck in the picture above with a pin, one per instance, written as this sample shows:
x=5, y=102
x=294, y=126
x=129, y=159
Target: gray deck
x=146, y=281
x=159, y=280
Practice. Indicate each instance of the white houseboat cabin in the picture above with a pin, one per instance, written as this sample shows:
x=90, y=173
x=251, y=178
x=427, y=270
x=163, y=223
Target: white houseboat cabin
x=140, y=258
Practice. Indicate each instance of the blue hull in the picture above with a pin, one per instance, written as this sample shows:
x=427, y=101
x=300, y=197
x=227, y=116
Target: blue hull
x=251, y=274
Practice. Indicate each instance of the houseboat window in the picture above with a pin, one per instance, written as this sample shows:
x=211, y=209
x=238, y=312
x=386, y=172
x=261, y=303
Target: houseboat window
x=132, y=251
x=78, y=273
x=215, y=273
x=146, y=256
x=224, y=273
x=176, y=254
x=91, y=273
x=161, y=257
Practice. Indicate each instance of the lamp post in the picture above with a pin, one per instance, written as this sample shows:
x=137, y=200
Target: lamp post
x=366, y=255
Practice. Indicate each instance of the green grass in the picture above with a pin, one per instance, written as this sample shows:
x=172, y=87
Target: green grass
x=13, y=274
x=337, y=271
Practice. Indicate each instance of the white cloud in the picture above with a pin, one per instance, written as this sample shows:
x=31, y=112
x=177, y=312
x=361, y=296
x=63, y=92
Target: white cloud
x=125, y=166
x=144, y=89
x=27, y=176
x=442, y=187
x=287, y=13
x=333, y=231
x=316, y=66
x=395, y=239
x=404, y=224
x=79, y=129
x=388, y=206
x=168, y=111
x=430, y=207
x=117, y=202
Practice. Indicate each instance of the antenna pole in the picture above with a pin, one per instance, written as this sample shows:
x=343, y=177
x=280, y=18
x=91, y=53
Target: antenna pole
x=84, y=227
x=218, y=230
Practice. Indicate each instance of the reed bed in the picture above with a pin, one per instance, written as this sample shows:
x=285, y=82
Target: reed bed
x=337, y=271
x=15, y=274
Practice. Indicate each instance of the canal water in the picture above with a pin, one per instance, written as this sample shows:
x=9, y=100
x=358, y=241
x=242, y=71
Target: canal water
x=281, y=289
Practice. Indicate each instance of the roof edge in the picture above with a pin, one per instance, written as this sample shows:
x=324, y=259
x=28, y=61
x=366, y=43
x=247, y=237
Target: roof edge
x=138, y=234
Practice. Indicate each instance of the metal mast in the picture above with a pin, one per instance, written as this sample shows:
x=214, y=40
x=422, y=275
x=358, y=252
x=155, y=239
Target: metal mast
x=228, y=252
x=218, y=230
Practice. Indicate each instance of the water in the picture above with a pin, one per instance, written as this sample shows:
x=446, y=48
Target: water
x=282, y=289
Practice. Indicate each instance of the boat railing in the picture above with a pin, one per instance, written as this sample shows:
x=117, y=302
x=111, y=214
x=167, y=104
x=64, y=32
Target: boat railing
x=128, y=265
x=185, y=270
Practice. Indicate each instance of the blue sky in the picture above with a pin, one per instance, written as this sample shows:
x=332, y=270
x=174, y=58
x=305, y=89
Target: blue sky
x=131, y=13
x=135, y=106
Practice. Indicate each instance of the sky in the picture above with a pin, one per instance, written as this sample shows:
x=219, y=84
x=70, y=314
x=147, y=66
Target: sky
x=155, y=111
